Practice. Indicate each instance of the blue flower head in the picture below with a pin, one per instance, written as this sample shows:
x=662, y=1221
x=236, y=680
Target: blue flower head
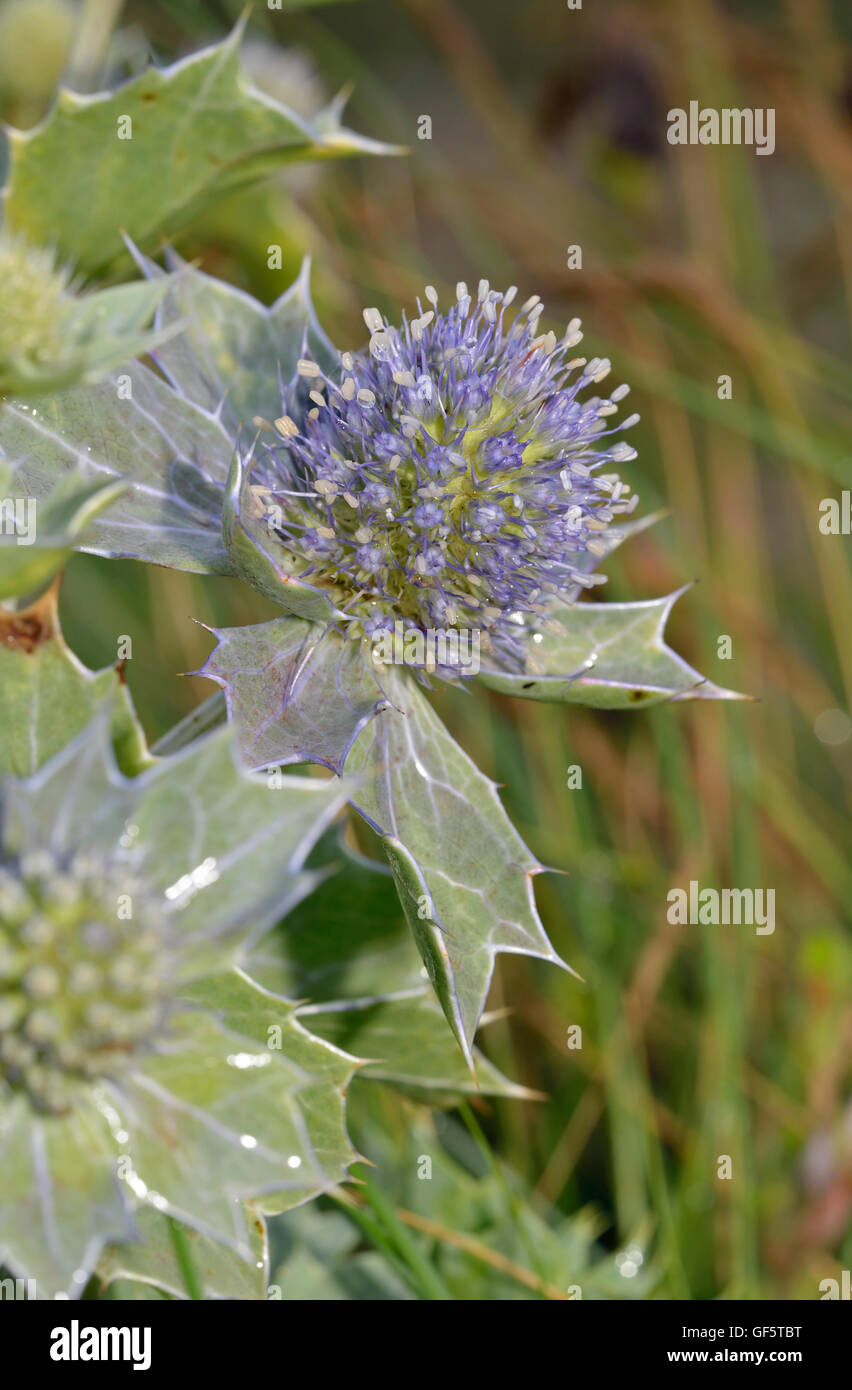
x=452, y=476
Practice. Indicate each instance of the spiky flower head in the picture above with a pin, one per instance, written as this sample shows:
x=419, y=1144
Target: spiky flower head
x=456, y=475
x=51, y=336
x=138, y=1067
x=86, y=960
x=36, y=302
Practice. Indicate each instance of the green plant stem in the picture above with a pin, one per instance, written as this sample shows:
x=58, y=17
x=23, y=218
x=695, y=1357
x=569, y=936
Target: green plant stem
x=191, y=1281
x=389, y=1235
x=407, y=1245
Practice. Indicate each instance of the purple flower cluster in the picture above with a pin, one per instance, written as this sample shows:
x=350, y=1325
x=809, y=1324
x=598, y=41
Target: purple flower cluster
x=452, y=477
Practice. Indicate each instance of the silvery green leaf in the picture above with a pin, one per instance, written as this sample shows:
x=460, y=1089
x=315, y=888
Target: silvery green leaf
x=61, y=1199
x=364, y=948
x=222, y=1273
x=195, y=806
x=189, y=810
x=463, y=874
x=48, y=696
x=295, y=692
x=364, y=981
x=404, y=1042
x=174, y=455
x=231, y=349
x=145, y=158
x=232, y=358
x=30, y=557
x=246, y=1104
x=183, y=444
x=609, y=655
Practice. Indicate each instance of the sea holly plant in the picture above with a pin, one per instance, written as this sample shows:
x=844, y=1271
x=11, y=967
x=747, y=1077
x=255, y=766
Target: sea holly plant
x=141, y=1067
x=197, y=965
x=158, y=913
x=454, y=478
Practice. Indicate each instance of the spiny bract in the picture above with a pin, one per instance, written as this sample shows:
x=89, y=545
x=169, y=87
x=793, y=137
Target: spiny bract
x=82, y=990
x=452, y=477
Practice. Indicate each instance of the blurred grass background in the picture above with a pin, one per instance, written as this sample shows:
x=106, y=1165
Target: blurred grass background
x=548, y=131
